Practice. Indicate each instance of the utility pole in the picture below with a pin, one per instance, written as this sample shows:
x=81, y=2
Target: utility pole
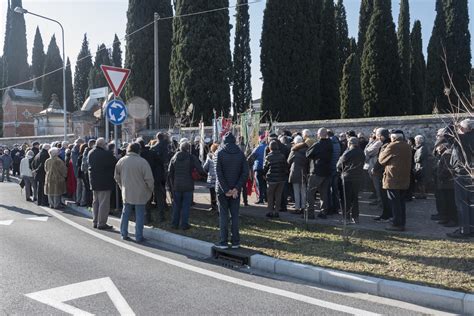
x=156, y=110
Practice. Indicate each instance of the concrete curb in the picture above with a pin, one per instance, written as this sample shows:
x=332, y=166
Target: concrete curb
x=452, y=301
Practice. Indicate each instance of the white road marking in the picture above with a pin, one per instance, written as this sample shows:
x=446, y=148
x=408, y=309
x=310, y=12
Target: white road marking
x=57, y=296
x=7, y=222
x=38, y=218
x=215, y=275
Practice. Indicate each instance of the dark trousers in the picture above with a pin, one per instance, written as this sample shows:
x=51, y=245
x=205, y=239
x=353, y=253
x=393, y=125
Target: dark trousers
x=386, y=208
x=464, y=197
x=397, y=202
x=42, y=198
x=244, y=194
x=333, y=192
x=351, y=198
x=321, y=185
x=262, y=185
x=228, y=206
x=284, y=197
x=212, y=191
x=274, y=195
x=446, y=204
x=159, y=195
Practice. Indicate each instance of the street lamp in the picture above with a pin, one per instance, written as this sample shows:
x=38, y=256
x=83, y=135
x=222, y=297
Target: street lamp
x=21, y=10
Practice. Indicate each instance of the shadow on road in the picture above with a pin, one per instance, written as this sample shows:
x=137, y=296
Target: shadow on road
x=21, y=210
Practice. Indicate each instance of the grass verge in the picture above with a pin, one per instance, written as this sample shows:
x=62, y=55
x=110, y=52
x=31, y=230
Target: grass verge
x=433, y=262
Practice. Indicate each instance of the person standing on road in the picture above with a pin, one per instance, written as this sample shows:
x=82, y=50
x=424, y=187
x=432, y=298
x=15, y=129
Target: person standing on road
x=55, y=178
x=258, y=156
x=135, y=179
x=7, y=162
x=101, y=175
x=319, y=156
x=232, y=172
x=161, y=148
x=39, y=173
x=26, y=173
x=182, y=184
x=85, y=170
x=298, y=174
x=350, y=166
x=396, y=159
x=210, y=168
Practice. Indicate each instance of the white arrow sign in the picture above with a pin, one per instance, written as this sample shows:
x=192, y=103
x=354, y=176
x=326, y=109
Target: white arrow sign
x=57, y=296
x=6, y=223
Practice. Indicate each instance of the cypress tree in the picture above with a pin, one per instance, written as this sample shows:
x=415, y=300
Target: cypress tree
x=69, y=89
x=37, y=59
x=329, y=64
x=242, y=88
x=200, y=67
x=351, y=99
x=342, y=34
x=96, y=76
x=352, y=46
x=117, y=52
x=15, y=51
x=418, y=70
x=403, y=36
x=458, y=48
x=380, y=70
x=81, y=74
x=139, y=55
x=53, y=82
x=435, y=68
x=365, y=14
x=289, y=59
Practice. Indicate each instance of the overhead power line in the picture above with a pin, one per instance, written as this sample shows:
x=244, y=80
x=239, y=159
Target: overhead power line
x=133, y=33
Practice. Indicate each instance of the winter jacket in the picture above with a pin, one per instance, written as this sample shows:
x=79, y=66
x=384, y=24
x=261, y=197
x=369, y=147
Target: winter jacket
x=351, y=164
x=163, y=152
x=258, y=156
x=74, y=157
x=396, y=158
x=135, y=179
x=231, y=166
x=7, y=161
x=153, y=160
x=181, y=169
x=38, y=164
x=25, y=170
x=444, y=173
x=336, y=153
x=298, y=166
x=71, y=183
x=462, y=154
x=421, y=160
x=320, y=155
x=101, y=169
x=371, y=152
x=275, y=167
x=210, y=167
x=55, y=179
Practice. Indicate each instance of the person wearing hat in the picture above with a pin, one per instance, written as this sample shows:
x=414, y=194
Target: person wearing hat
x=377, y=171
x=35, y=147
x=462, y=163
x=39, y=174
x=231, y=173
x=396, y=160
x=258, y=157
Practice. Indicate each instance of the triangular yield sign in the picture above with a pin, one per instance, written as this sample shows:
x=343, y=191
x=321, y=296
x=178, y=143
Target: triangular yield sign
x=116, y=77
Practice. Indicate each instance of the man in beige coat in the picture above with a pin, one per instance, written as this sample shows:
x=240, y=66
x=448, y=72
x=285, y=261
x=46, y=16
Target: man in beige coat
x=396, y=158
x=135, y=179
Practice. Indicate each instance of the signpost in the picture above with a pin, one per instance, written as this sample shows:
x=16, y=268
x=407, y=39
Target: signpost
x=116, y=111
x=99, y=93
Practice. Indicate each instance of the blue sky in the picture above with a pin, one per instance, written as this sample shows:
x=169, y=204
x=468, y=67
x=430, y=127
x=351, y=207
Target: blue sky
x=101, y=19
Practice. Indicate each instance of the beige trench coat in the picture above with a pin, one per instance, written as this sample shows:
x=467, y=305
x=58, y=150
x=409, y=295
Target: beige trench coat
x=56, y=173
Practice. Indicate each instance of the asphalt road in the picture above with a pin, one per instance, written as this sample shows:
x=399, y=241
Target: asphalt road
x=54, y=263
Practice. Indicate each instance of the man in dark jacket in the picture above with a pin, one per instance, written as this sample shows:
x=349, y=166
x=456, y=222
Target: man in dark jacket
x=161, y=148
x=350, y=166
x=182, y=183
x=276, y=171
x=319, y=156
x=40, y=174
x=232, y=172
x=445, y=201
x=101, y=177
x=462, y=163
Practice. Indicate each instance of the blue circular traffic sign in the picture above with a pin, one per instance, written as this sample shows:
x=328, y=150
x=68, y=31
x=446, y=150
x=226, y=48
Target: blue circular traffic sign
x=116, y=112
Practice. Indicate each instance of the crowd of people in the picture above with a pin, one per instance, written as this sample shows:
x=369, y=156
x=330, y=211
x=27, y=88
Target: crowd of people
x=290, y=167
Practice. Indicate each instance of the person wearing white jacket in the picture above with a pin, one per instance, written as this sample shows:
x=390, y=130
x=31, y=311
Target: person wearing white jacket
x=26, y=173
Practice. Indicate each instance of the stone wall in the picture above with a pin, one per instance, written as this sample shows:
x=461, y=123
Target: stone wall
x=10, y=141
x=426, y=125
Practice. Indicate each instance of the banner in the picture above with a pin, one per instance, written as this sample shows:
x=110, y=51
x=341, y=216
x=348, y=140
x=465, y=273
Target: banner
x=201, y=142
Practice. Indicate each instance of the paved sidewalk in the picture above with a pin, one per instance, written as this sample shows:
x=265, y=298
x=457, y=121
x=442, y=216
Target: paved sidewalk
x=418, y=215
